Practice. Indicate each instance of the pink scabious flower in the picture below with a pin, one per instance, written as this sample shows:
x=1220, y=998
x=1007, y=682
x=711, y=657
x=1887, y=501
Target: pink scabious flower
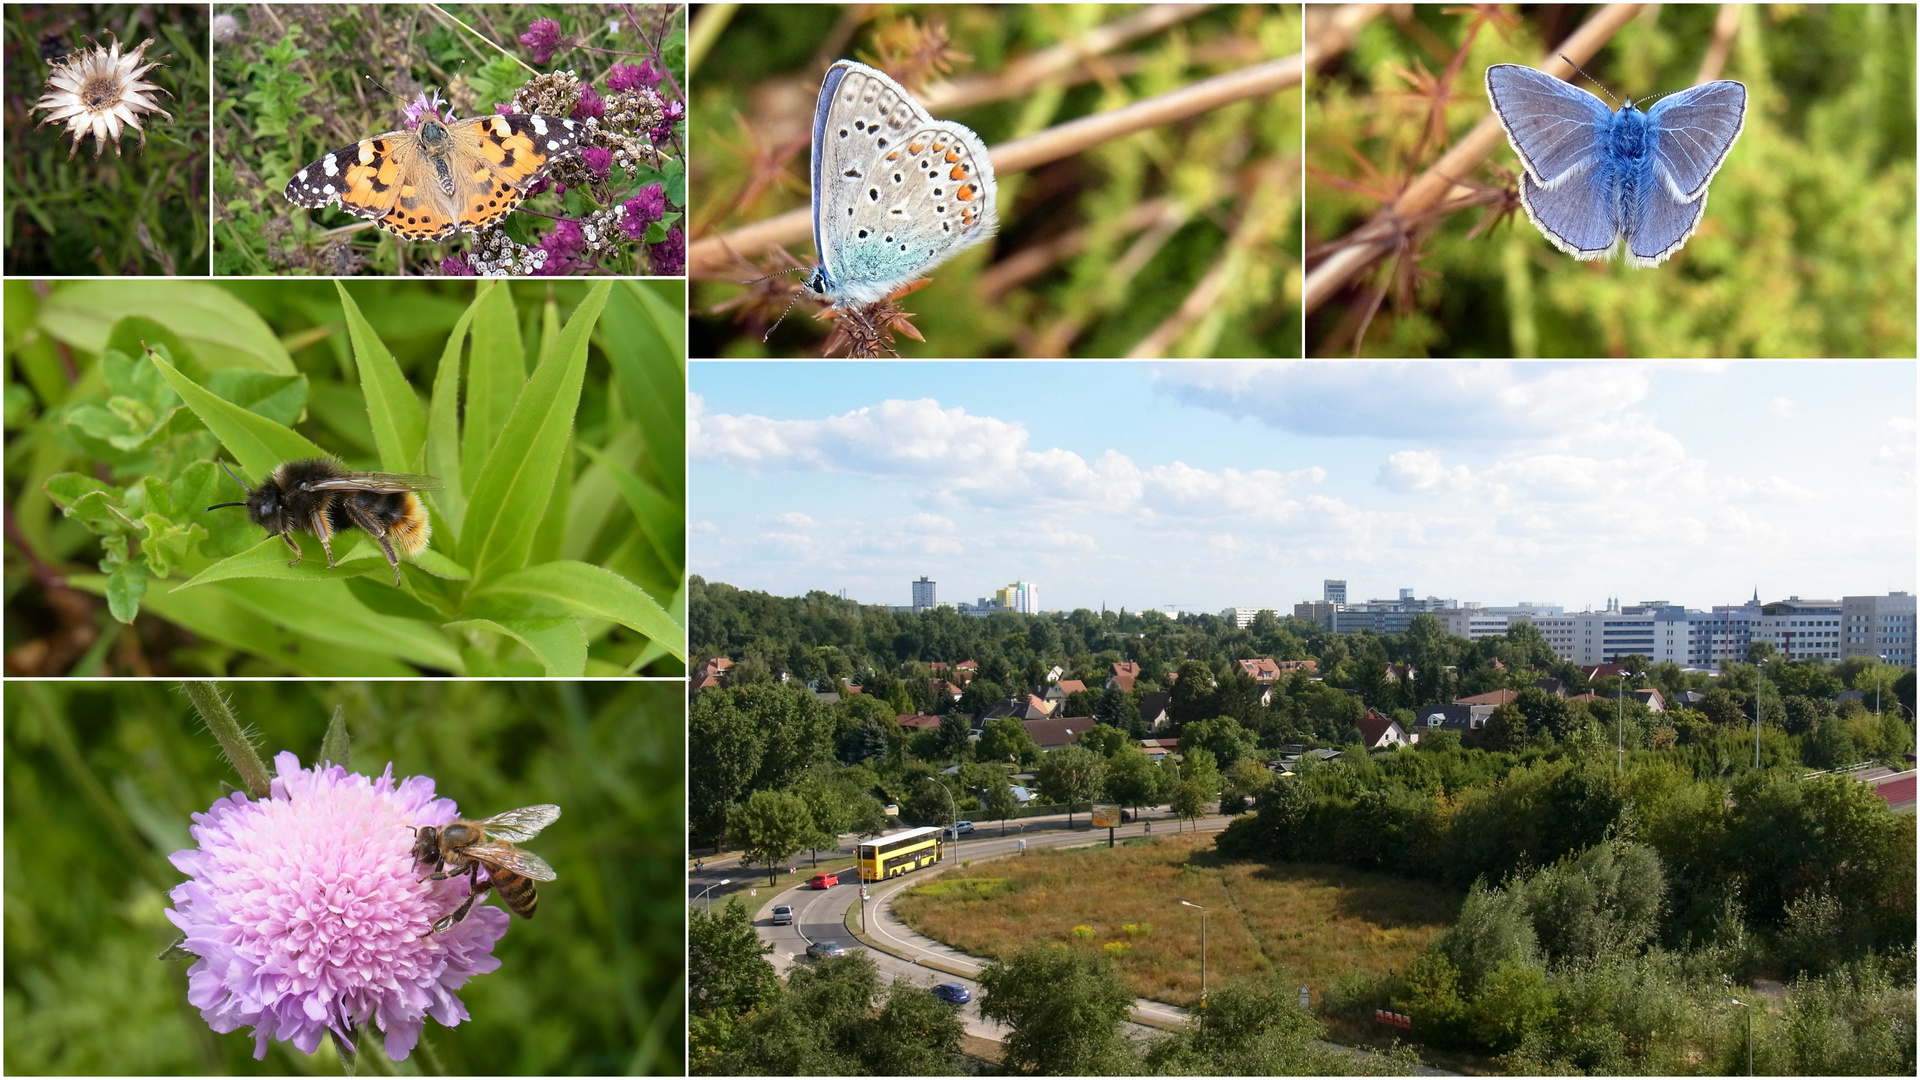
x=542, y=39
x=307, y=912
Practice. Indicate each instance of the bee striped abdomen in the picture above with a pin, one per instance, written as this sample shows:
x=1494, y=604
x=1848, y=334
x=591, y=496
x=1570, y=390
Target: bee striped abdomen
x=516, y=891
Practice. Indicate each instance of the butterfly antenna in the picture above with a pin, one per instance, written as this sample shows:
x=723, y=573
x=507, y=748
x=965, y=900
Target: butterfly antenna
x=791, y=300
x=384, y=90
x=1591, y=79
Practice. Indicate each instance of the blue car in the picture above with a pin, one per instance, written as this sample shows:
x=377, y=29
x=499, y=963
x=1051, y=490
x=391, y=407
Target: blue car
x=952, y=993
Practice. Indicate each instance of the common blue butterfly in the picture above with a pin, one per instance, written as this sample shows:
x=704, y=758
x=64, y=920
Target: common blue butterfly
x=1595, y=179
x=895, y=192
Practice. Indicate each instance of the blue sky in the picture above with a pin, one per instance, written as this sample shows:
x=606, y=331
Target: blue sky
x=1205, y=486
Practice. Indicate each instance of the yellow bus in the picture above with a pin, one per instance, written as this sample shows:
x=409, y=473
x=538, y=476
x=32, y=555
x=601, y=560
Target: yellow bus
x=896, y=853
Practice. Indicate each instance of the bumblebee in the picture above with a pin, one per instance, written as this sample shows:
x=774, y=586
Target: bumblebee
x=321, y=496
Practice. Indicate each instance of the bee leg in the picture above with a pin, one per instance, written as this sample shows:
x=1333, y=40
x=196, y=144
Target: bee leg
x=297, y=553
x=325, y=533
x=473, y=894
x=378, y=532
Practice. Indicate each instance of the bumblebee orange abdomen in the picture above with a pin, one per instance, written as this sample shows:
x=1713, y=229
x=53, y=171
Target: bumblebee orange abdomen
x=412, y=528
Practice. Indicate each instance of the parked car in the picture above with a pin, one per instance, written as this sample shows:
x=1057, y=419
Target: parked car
x=824, y=881
x=952, y=993
x=820, y=950
x=958, y=829
x=783, y=915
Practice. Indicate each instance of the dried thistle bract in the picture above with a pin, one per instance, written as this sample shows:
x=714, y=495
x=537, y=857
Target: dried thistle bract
x=95, y=91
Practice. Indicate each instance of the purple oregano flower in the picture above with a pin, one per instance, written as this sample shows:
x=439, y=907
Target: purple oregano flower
x=307, y=912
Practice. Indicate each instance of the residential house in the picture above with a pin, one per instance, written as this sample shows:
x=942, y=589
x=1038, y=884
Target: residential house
x=1458, y=716
x=1156, y=749
x=1153, y=708
x=1603, y=671
x=1261, y=669
x=1124, y=674
x=1288, y=667
x=1650, y=698
x=710, y=672
x=1400, y=673
x=1378, y=731
x=917, y=721
x=1054, y=732
x=1020, y=708
x=1054, y=673
x=942, y=686
x=1071, y=686
x=1491, y=699
x=1551, y=686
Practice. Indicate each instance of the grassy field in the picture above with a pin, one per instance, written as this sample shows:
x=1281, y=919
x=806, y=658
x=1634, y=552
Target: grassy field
x=1314, y=921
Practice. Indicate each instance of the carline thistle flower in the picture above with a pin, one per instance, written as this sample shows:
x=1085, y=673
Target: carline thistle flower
x=94, y=91
x=307, y=912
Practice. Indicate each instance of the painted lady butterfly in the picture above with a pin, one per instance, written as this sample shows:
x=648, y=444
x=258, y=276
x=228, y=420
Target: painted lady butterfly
x=445, y=177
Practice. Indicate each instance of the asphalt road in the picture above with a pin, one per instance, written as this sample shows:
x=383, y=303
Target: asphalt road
x=820, y=914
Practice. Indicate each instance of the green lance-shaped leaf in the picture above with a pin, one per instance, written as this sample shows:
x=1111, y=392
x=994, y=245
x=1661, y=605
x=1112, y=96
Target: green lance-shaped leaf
x=256, y=442
x=334, y=747
x=567, y=588
x=509, y=497
x=443, y=427
x=559, y=644
x=399, y=424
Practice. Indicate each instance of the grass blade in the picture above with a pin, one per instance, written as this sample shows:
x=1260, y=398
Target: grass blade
x=256, y=442
x=555, y=589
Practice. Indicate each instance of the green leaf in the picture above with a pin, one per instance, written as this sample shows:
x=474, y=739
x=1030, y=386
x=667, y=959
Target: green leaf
x=560, y=644
x=443, y=426
x=221, y=330
x=256, y=442
x=555, y=589
x=280, y=398
x=644, y=338
x=270, y=558
x=661, y=519
x=125, y=586
x=399, y=424
x=510, y=496
x=336, y=745
x=496, y=375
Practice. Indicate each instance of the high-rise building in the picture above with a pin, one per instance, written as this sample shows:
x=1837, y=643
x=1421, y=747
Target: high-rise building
x=1333, y=591
x=1878, y=626
x=923, y=594
x=1020, y=596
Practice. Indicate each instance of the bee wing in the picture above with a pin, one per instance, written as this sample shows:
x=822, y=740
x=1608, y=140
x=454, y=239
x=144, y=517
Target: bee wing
x=507, y=857
x=378, y=482
x=522, y=824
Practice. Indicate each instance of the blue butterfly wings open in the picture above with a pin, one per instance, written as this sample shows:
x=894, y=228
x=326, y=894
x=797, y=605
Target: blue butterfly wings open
x=1594, y=180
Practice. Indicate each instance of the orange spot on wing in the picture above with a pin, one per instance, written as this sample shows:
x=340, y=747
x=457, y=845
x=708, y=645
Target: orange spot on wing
x=959, y=173
x=953, y=156
x=965, y=194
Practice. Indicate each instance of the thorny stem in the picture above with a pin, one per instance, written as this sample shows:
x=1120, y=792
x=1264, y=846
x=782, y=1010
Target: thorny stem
x=234, y=744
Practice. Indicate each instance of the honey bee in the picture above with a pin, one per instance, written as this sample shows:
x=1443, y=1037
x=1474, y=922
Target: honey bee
x=466, y=846
x=320, y=496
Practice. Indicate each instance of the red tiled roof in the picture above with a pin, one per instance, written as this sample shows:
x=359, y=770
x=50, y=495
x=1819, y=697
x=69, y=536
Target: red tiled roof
x=1071, y=686
x=1495, y=697
x=917, y=721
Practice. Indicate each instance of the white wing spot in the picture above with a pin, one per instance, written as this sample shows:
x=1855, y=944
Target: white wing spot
x=540, y=125
x=329, y=166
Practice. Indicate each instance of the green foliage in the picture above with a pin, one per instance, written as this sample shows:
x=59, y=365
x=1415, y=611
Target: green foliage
x=290, y=86
x=727, y=970
x=1814, y=208
x=141, y=212
x=1249, y=1029
x=1135, y=224
x=101, y=780
x=768, y=827
x=1065, y=1007
x=541, y=562
x=1071, y=775
x=832, y=1019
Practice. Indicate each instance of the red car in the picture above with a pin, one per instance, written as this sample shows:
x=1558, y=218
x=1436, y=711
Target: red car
x=824, y=881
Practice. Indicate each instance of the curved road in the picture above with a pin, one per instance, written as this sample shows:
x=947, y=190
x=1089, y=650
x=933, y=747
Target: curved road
x=902, y=953
x=820, y=915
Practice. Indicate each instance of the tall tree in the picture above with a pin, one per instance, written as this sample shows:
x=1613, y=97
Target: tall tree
x=1132, y=781
x=727, y=970
x=1071, y=774
x=769, y=827
x=1065, y=1009
x=1000, y=802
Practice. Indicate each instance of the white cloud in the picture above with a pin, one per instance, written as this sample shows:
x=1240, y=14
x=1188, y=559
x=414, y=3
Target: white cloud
x=794, y=519
x=1781, y=407
x=1491, y=401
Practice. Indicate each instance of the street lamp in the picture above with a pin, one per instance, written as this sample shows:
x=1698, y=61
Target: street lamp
x=1203, y=950
x=710, y=888
x=1749, y=1008
x=953, y=815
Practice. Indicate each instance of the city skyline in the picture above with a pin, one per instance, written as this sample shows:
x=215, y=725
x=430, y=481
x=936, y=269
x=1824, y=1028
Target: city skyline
x=1208, y=486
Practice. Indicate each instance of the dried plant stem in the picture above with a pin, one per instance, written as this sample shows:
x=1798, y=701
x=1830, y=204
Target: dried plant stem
x=711, y=256
x=1269, y=202
x=1426, y=191
x=1022, y=76
x=219, y=718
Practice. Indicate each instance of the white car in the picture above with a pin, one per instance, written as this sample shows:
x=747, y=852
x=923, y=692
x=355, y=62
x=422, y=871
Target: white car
x=958, y=829
x=783, y=915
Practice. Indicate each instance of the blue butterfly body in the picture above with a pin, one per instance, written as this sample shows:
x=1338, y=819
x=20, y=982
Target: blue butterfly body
x=1595, y=179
